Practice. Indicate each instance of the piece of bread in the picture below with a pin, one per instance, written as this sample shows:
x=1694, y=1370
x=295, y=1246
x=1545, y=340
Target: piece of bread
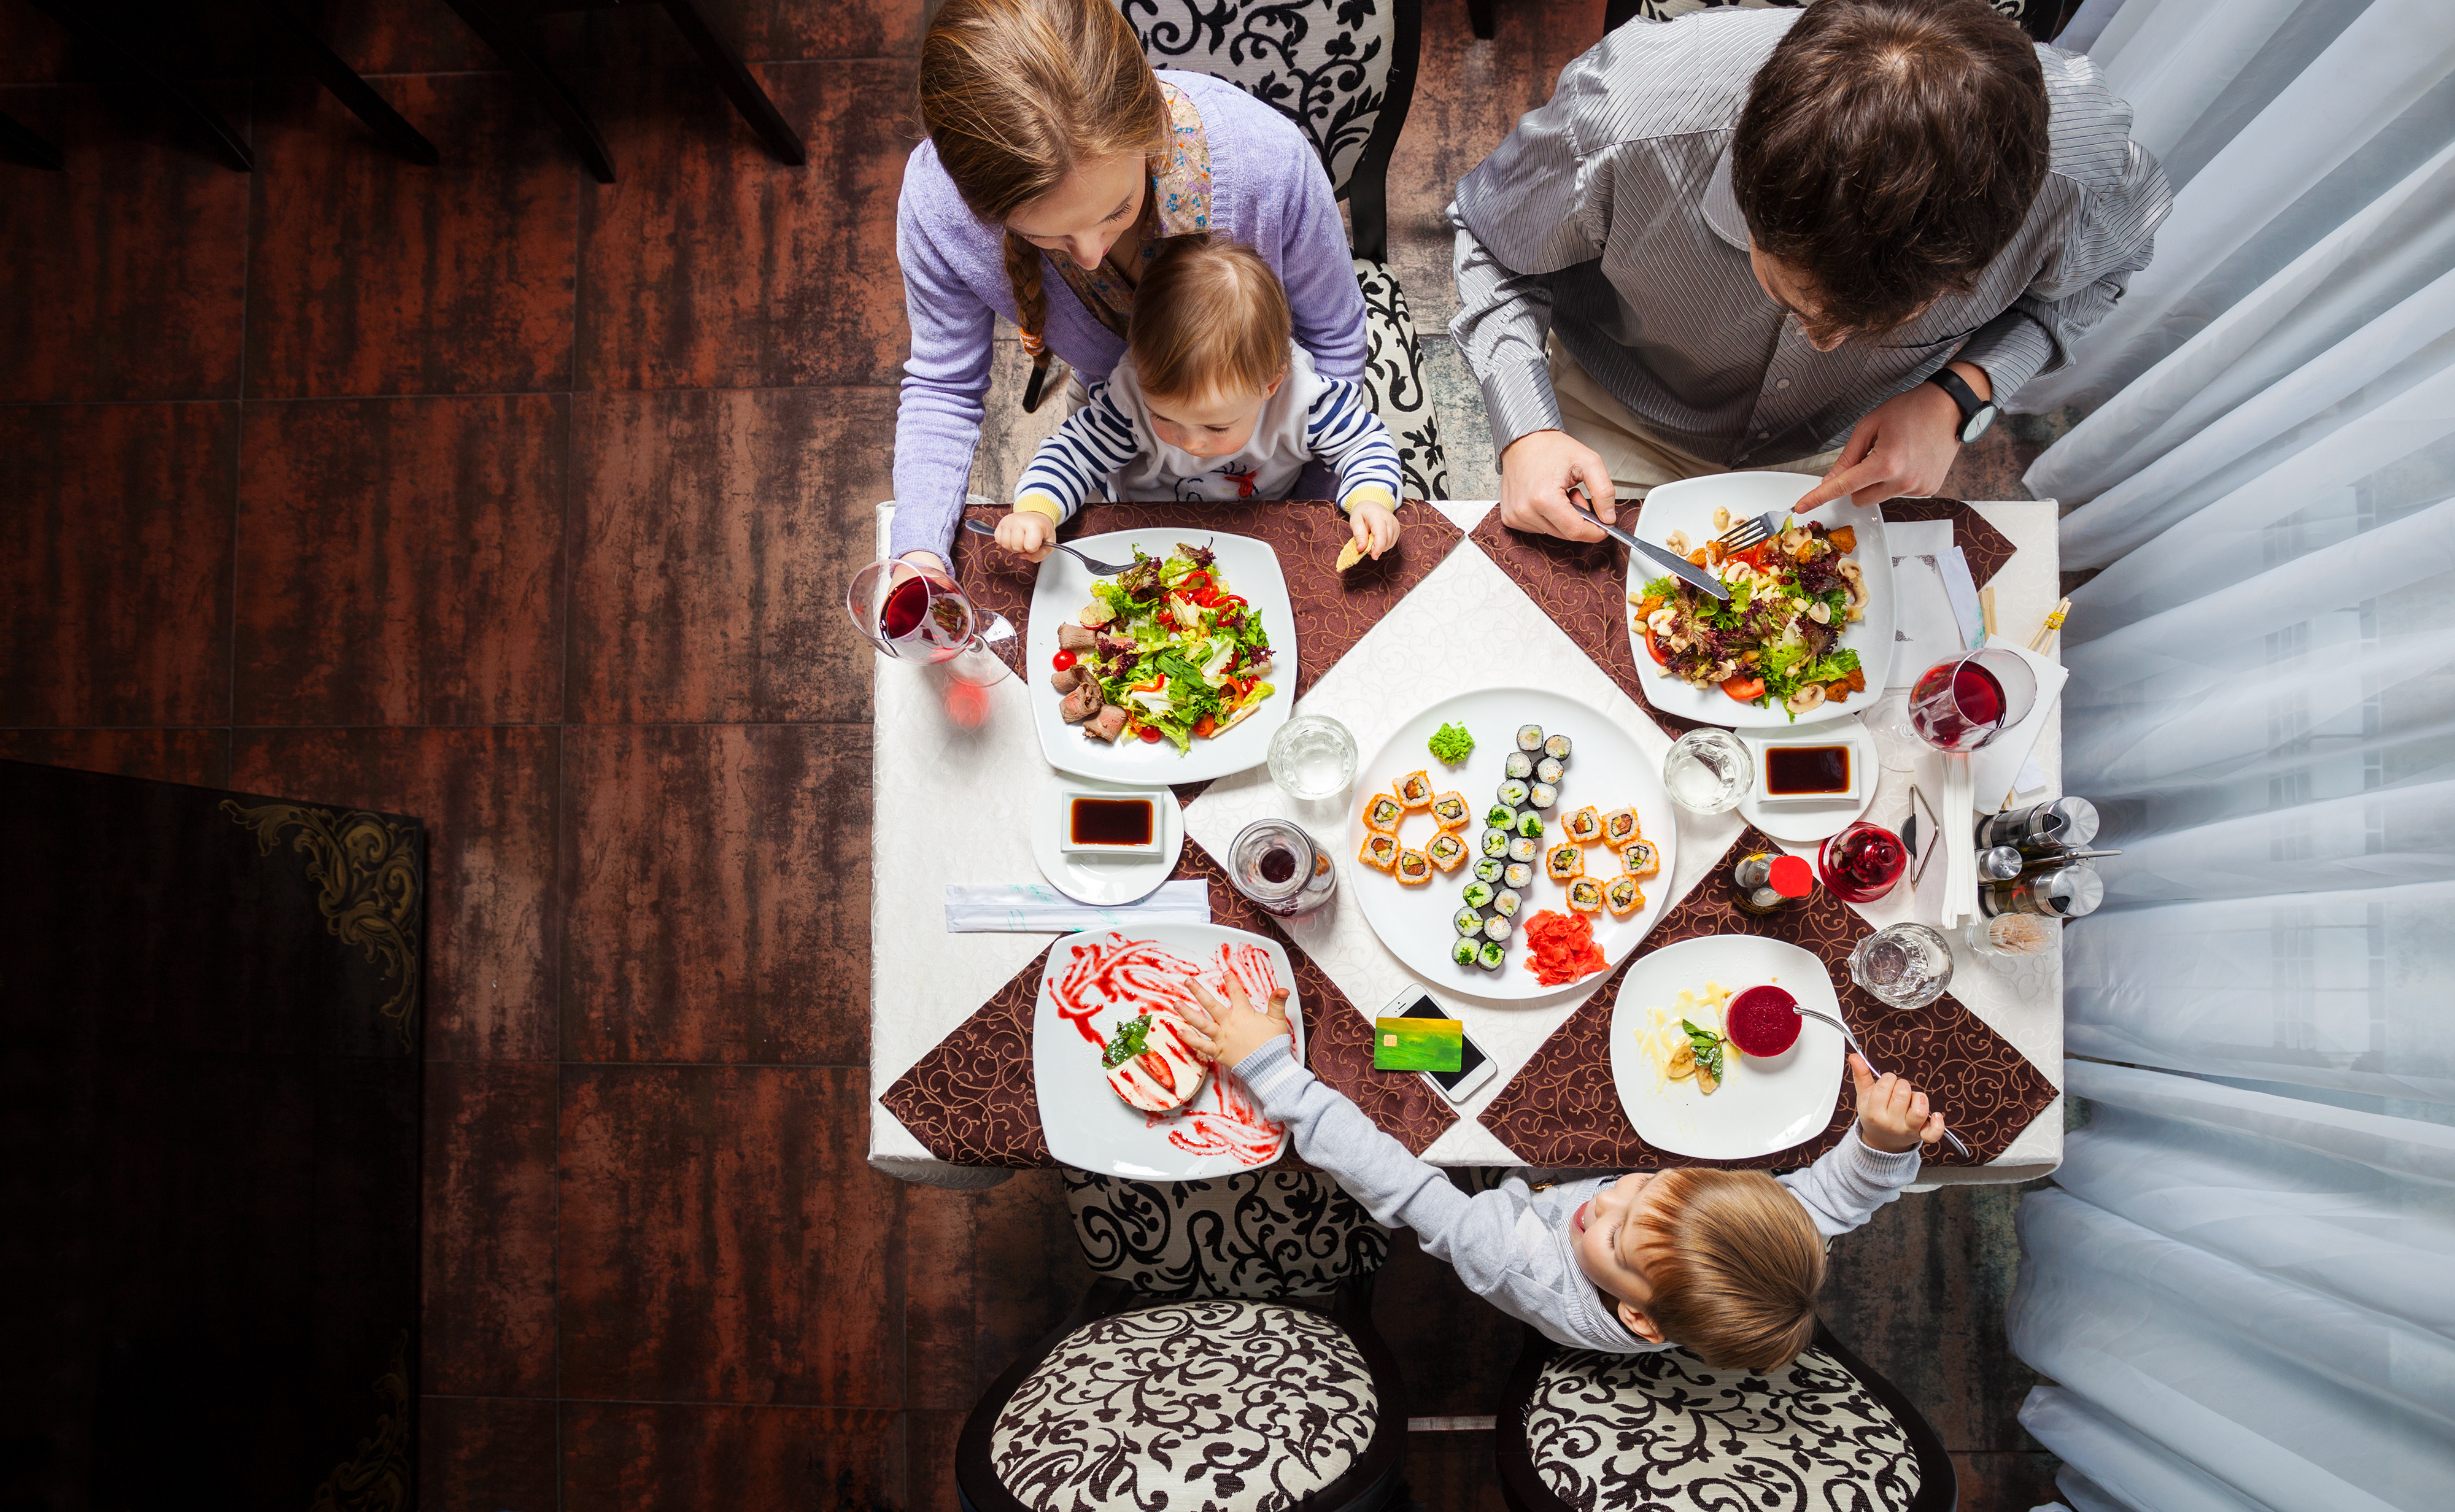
x=1350, y=554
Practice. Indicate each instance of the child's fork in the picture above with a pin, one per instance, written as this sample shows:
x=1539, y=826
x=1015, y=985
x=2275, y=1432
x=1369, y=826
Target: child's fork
x=1853, y=1041
x=1099, y=569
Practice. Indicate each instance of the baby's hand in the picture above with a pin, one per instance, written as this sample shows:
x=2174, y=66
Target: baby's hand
x=1232, y=1032
x=1893, y=1115
x=1376, y=529
x=1028, y=534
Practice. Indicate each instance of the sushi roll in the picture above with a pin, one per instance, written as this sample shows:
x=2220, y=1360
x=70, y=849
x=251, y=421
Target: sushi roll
x=1562, y=863
x=1622, y=896
x=1500, y=817
x=1380, y=852
x=1383, y=812
x=1557, y=748
x=1445, y=851
x=1493, y=956
x=1639, y=858
x=1513, y=793
x=1547, y=770
x=1542, y=794
x=1504, y=902
x=1529, y=737
x=1467, y=921
x=1412, y=868
x=1530, y=826
x=1495, y=843
x=1497, y=928
x=1585, y=826
x=1488, y=870
x=1586, y=895
x=1619, y=827
x=1523, y=849
x=1518, y=876
x=1450, y=810
x=1466, y=951
x=1416, y=790
x=1519, y=765
x=1475, y=895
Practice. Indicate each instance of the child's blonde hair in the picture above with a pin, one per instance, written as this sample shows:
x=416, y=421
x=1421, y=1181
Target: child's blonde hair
x=1736, y=1263
x=1017, y=93
x=1209, y=318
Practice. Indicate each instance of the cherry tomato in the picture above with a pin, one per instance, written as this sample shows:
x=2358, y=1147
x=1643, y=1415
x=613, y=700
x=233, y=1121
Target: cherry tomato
x=1063, y=660
x=1746, y=690
x=1653, y=649
x=1150, y=734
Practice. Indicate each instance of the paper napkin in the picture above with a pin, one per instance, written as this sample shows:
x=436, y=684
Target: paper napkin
x=1034, y=909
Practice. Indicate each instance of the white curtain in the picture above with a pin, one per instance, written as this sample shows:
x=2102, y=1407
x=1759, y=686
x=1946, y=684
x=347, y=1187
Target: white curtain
x=2241, y=1292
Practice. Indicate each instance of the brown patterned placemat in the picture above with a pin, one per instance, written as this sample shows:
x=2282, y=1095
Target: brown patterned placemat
x=1562, y=1110
x=972, y=1101
x=1583, y=585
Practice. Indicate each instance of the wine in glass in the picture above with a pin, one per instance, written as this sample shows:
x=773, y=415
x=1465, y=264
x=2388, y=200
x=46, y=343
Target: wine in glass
x=1961, y=703
x=1862, y=863
x=918, y=614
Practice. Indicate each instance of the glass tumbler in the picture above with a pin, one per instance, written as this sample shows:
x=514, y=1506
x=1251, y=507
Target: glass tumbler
x=1277, y=865
x=1708, y=771
x=1906, y=965
x=1313, y=756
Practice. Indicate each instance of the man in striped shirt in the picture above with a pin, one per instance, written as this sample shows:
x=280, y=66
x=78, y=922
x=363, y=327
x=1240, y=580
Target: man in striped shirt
x=1828, y=241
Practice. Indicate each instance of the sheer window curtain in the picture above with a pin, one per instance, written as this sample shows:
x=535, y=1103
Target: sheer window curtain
x=2241, y=1291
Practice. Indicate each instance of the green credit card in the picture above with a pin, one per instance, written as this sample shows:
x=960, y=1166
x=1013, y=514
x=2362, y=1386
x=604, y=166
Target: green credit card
x=1418, y=1045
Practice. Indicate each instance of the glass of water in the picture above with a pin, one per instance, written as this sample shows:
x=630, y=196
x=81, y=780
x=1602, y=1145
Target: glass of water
x=1906, y=965
x=1313, y=756
x=1708, y=771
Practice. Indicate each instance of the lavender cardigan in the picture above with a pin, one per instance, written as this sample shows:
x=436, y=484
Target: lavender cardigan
x=1267, y=189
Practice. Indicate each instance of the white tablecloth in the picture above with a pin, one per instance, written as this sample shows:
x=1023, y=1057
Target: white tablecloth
x=948, y=800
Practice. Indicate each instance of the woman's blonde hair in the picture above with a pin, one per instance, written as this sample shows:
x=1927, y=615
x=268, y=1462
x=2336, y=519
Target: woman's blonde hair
x=1736, y=1263
x=1209, y=317
x=1015, y=94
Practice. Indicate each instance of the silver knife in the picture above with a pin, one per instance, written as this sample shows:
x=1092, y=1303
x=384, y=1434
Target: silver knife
x=1679, y=566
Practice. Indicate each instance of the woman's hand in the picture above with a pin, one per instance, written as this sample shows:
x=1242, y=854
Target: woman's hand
x=928, y=561
x=1029, y=533
x=1893, y=1115
x=1535, y=472
x=1376, y=529
x=1228, y=1034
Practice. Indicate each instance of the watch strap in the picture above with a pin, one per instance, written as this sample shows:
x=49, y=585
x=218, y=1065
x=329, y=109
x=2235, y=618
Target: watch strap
x=1963, y=395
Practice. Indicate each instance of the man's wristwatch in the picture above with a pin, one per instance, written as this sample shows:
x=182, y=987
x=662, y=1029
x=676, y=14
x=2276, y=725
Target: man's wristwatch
x=1977, y=414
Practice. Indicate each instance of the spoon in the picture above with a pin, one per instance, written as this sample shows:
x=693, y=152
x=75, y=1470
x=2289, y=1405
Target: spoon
x=1852, y=1040
x=1099, y=569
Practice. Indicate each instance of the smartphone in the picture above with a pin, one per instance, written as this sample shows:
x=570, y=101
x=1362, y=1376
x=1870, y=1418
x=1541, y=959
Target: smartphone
x=1475, y=1067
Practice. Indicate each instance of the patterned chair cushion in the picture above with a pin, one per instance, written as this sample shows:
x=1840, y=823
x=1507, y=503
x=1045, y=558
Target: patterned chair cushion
x=1394, y=373
x=2024, y=11
x=1260, y=1234
x=1323, y=64
x=1635, y=1433
x=1237, y=1406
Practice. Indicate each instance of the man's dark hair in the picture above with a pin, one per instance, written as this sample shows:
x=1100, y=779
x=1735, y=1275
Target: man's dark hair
x=1889, y=150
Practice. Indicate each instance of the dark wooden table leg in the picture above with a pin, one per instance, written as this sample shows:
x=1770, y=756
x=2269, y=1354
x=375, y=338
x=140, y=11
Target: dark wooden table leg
x=364, y=103
x=85, y=21
x=738, y=83
x=19, y=145
x=514, y=50
x=1478, y=15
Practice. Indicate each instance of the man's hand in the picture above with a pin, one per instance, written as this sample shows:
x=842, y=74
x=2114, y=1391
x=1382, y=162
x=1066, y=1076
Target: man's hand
x=1535, y=472
x=1029, y=533
x=1893, y=1115
x=1230, y=1033
x=1905, y=445
x=1376, y=529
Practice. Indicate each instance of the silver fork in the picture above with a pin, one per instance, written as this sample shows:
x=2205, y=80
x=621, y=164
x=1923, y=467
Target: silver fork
x=1099, y=569
x=1950, y=1137
x=1747, y=533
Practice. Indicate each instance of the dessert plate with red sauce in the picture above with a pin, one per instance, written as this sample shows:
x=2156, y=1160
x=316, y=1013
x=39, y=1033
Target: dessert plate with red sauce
x=1186, y=1121
x=1763, y=1103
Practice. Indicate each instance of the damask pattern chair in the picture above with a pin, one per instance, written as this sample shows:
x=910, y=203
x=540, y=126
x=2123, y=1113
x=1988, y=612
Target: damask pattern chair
x=1580, y=1432
x=2042, y=19
x=1344, y=71
x=1225, y=1357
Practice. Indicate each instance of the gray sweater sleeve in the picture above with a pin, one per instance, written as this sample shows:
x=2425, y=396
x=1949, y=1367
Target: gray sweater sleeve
x=1849, y=1182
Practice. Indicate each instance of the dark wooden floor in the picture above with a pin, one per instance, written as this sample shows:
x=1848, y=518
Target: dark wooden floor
x=488, y=494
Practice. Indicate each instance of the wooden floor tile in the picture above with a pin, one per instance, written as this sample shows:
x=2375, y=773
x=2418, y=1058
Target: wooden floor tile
x=986, y=1276
x=488, y=797
x=384, y=36
x=1453, y=1348
x=723, y=1239
x=631, y=1457
x=36, y=50
x=1452, y=1472
x=115, y=561
x=2006, y=1482
x=717, y=894
x=486, y=1454
x=763, y=31
x=712, y=265
x=929, y=1440
x=400, y=562
x=489, y=1318
x=198, y=758
x=125, y=273
x=371, y=274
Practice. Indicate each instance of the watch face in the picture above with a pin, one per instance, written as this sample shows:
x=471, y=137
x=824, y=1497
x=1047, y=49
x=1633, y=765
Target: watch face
x=1979, y=424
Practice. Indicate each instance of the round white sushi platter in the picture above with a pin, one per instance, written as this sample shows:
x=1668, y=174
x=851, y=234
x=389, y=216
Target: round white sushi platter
x=1606, y=770
x=1104, y=882
x=1806, y=823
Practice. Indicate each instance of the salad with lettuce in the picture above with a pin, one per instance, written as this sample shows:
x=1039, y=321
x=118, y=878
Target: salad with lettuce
x=1176, y=649
x=1779, y=639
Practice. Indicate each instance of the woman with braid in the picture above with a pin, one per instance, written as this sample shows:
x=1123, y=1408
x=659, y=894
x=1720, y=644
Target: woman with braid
x=1057, y=162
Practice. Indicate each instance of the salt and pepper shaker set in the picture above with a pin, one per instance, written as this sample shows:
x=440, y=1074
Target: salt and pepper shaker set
x=2035, y=860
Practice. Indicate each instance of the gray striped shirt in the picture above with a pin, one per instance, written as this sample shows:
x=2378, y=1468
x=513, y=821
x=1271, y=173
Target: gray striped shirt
x=1608, y=219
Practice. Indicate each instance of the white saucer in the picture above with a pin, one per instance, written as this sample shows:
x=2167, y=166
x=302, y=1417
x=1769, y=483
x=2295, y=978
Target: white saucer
x=1102, y=880
x=1804, y=823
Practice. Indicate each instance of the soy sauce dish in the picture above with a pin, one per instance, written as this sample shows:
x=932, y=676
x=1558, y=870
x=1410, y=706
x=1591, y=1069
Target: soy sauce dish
x=1105, y=822
x=1809, y=770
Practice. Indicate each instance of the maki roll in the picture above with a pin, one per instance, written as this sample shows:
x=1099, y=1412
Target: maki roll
x=1450, y=810
x=1493, y=956
x=1639, y=858
x=1548, y=770
x=1585, y=826
x=1524, y=849
x=1542, y=794
x=1504, y=902
x=1518, y=876
x=1619, y=827
x=1622, y=896
x=1467, y=921
x=1500, y=817
x=1586, y=895
x=1412, y=868
x=1513, y=793
x=1557, y=748
x=1445, y=851
x=1495, y=843
x=1488, y=870
x=1530, y=826
x=1495, y=928
x=1562, y=863
x=1529, y=737
x=1475, y=895
x=1519, y=765
x=1383, y=812
x=1466, y=951
x=1380, y=852
x=1416, y=790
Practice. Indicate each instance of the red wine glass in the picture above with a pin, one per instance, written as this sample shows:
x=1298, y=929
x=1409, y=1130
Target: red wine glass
x=918, y=614
x=1862, y=863
x=1962, y=703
